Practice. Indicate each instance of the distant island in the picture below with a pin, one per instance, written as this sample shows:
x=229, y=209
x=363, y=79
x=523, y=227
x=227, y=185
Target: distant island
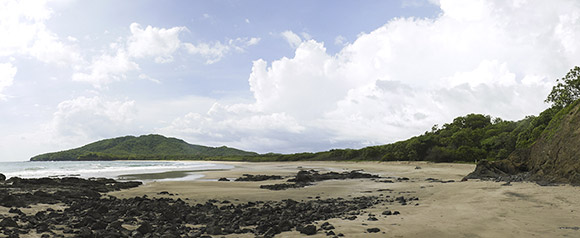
x=146, y=147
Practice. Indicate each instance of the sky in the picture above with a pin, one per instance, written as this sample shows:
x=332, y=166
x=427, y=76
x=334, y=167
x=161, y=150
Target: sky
x=272, y=76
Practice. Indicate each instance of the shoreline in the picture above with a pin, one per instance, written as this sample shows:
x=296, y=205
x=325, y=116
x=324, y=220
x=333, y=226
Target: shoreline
x=443, y=208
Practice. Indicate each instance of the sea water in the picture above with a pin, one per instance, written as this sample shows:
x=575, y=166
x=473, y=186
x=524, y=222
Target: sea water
x=107, y=169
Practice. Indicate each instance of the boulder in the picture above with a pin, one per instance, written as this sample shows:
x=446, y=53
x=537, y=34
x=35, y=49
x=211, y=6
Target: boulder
x=308, y=230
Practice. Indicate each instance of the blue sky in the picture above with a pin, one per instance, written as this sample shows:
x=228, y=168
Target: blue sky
x=271, y=76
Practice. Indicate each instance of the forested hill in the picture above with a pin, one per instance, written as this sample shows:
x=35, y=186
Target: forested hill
x=468, y=138
x=139, y=148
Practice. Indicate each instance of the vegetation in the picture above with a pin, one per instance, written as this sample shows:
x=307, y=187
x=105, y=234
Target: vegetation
x=567, y=89
x=467, y=139
x=141, y=148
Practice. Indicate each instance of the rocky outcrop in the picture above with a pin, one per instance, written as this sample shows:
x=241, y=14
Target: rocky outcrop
x=308, y=177
x=553, y=158
x=88, y=214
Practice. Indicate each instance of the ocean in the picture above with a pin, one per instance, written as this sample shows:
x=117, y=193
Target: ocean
x=122, y=170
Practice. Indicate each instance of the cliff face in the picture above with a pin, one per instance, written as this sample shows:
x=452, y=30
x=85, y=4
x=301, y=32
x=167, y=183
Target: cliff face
x=553, y=158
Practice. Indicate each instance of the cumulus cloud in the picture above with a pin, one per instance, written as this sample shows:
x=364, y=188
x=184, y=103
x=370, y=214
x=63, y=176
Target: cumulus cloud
x=214, y=52
x=107, y=68
x=24, y=32
x=493, y=57
x=87, y=118
x=7, y=73
x=292, y=38
x=155, y=42
x=151, y=42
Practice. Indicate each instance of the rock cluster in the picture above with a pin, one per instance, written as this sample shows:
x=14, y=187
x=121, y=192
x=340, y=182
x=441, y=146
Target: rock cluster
x=307, y=177
x=88, y=214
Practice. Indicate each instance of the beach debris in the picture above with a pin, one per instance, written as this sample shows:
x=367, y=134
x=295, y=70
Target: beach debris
x=434, y=180
x=576, y=228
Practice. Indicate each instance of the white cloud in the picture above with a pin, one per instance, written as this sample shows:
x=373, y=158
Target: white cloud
x=90, y=118
x=340, y=40
x=155, y=42
x=492, y=57
x=107, y=68
x=159, y=43
x=214, y=52
x=23, y=31
x=292, y=38
x=147, y=77
x=7, y=73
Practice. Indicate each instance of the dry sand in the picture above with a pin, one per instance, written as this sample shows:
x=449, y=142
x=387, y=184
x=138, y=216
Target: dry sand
x=458, y=209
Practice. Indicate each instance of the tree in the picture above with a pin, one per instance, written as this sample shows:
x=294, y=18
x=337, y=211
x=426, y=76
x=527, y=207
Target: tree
x=567, y=90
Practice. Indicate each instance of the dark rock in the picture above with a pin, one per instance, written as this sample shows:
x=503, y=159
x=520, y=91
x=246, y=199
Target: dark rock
x=90, y=215
x=2, y=177
x=85, y=232
x=256, y=178
x=224, y=180
x=387, y=213
x=326, y=226
x=8, y=222
x=15, y=211
x=307, y=177
x=373, y=230
x=307, y=230
x=12, y=201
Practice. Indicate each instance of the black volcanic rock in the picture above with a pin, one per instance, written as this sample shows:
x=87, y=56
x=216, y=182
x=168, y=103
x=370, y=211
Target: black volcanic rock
x=2, y=177
x=106, y=216
x=307, y=230
x=255, y=178
x=307, y=177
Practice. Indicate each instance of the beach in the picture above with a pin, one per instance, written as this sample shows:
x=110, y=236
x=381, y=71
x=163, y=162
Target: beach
x=431, y=199
x=445, y=209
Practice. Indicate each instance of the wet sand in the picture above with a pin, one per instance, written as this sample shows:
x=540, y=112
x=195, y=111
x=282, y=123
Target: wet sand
x=455, y=209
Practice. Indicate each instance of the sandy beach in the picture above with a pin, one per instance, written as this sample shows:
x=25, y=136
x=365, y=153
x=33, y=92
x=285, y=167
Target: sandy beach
x=452, y=209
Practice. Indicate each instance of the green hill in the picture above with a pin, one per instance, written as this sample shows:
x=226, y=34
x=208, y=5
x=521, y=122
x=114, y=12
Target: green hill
x=145, y=147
